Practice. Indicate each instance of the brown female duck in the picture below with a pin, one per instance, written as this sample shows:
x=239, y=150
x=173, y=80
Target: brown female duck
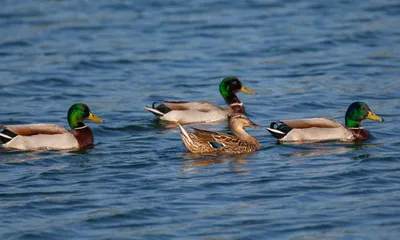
x=206, y=142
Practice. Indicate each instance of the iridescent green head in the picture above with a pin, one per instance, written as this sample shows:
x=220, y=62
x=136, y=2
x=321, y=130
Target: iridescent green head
x=78, y=113
x=229, y=87
x=357, y=112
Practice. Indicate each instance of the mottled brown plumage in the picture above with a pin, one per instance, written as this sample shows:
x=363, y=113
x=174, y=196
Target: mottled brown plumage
x=207, y=142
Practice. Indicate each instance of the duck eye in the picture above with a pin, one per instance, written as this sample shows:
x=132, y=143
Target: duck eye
x=84, y=109
x=235, y=84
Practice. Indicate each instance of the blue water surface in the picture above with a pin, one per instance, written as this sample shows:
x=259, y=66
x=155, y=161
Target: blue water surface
x=303, y=58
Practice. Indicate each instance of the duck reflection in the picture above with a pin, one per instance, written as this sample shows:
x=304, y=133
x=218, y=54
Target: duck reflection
x=318, y=149
x=194, y=162
x=10, y=156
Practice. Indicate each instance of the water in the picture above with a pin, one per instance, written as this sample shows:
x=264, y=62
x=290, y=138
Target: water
x=304, y=59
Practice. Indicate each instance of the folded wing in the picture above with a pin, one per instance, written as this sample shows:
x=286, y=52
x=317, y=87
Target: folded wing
x=312, y=122
x=34, y=129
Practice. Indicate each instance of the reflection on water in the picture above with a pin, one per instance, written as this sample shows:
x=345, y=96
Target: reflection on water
x=10, y=156
x=193, y=162
x=363, y=156
x=303, y=58
x=317, y=152
x=316, y=149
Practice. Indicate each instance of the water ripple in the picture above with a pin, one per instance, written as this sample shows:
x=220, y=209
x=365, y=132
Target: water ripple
x=304, y=59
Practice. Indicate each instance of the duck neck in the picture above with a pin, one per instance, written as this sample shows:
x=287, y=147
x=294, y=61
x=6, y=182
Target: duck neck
x=352, y=123
x=74, y=123
x=237, y=108
x=83, y=135
x=242, y=134
x=228, y=94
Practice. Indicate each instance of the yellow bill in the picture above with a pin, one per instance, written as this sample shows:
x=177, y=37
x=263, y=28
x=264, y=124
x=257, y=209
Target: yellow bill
x=374, y=117
x=94, y=118
x=246, y=90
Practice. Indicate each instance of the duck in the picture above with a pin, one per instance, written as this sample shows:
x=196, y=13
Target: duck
x=323, y=129
x=44, y=136
x=183, y=112
x=207, y=142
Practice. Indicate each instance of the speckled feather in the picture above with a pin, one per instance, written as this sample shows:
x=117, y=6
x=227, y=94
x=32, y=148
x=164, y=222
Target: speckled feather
x=200, y=141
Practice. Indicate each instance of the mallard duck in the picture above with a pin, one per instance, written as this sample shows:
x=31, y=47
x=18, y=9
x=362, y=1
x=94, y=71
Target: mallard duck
x=196, y=112
x=323, y=129
x=51, y=136
x=206, y=142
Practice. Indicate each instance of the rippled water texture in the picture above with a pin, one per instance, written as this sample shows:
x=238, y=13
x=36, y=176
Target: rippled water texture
x=303, y=58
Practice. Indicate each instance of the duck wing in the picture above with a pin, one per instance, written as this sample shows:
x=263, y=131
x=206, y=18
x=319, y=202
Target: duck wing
x=221, y=138
x=311, y=122
x=182, y=106
x=35, y=129
x=188, y=112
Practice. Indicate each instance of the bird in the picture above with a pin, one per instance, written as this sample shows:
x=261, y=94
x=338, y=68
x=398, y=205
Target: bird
x=203, y=112
x=44, y=136
x=323, y=129
x=207, y=142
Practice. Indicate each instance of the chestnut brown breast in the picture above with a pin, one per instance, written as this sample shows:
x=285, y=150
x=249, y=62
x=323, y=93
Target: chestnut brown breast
x=361, y=134
x=237, y=109
x=84, y=137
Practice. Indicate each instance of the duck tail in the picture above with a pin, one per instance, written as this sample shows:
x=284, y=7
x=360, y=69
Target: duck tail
x=154, y=111
x=187, y=141
x=159, y=111
x=6, y=135
x=185, y=135
x=273, y=129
